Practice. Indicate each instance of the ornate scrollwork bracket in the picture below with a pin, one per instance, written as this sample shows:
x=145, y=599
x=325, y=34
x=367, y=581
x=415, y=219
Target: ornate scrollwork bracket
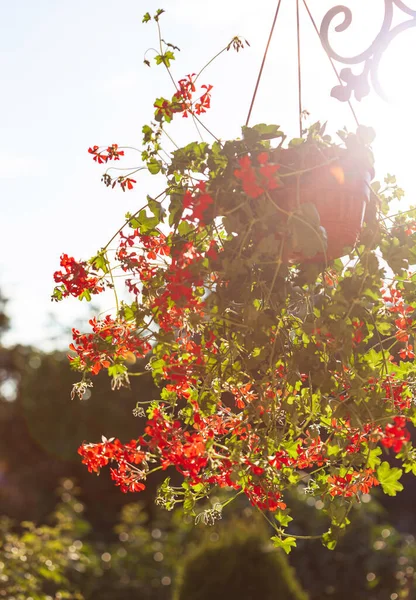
x=360, y=84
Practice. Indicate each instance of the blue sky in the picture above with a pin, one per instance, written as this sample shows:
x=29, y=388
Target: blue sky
x=72, y=76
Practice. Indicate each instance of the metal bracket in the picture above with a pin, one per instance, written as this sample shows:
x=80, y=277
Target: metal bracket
x=360, y=84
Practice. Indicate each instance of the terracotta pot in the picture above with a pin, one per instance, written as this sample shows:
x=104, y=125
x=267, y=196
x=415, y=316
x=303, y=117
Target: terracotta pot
x=338, y=184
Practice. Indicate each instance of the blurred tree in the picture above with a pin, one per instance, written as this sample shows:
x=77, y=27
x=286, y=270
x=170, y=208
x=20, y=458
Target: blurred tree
x=4, y=321
x=241, y=565
x=41, y=429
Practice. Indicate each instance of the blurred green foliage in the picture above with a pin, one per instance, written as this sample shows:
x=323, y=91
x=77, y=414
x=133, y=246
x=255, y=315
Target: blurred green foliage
x=65, y=560
x=43, y=562
x=243, y=565
x=372, y=561
x=148, y=556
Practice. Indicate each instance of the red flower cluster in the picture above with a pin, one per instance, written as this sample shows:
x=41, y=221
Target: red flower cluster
x=243, y=395
x=127, y=456
x=358, y=332
x=398, y=391
x=126, y=182
x=280, y=459
x=256, y=181
x=182, y=101
x=100, y=156
x=198, y=201
x=264, y=498
x=110, y=341
x=410, y=228
x=186, y=89
x=395, y=435
x=184, y=450
x=75, y=279
x=395, y=304
x=204, y=100
x=352, y=483
x=180, y=296
x=311, y=451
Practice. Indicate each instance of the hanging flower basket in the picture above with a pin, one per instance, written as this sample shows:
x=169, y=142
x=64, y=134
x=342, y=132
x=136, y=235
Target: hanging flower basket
x=273, y=371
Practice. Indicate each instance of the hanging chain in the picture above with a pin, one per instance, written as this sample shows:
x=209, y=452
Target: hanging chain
x=299, y=60
x=299, y=69
x=263, y=62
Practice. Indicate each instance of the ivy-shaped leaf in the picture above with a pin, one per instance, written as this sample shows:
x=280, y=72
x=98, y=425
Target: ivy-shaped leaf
x=154, y=166
x=165, y=58
x=159, y=12
x=100, y=262
x=389, y=478
x=283, y=518
x=286, y=544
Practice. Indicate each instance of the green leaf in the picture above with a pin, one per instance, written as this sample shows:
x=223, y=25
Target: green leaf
x=296, y=142
x=159, y=12
x=286, y=544
x=198, y=487
x=390, y=179
x=373, y=458
x=283, y=518
x=163, y=110
x=99, y=262
x=147, y=134
x=144, y=223
x=165, y=58
x=57, y=294
x=333, y=449
x=146, y=18
x=389, y=479
x=154, y=166
x=329, y=540
x=175, y=209
x=338, y=511
x=129, y=311
x=384, y=328
x=262, y=132
x=85, y=295
x=184, y=228
x=376, y=186
x=291, y=448
x=117, y=369
x=156, y=208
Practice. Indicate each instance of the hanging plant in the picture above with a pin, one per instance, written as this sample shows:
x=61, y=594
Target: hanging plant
x=279, y=364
